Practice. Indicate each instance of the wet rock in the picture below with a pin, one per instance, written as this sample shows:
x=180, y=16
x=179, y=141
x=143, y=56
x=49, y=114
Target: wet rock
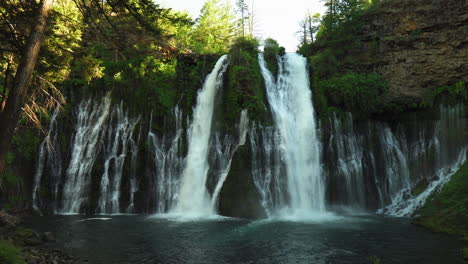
x=48, y=237
x=8, y=221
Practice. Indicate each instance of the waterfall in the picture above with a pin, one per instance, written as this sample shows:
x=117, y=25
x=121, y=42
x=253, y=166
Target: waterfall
x=193, y=198
x=119, y=133
x=89, y=131
x=349, y=156
x=446, y=151
x=291, y=103
x=48, y=148
x=372, y=165
x=267, y=166
x=224, y=158
x=168, y=163
x=133, y=171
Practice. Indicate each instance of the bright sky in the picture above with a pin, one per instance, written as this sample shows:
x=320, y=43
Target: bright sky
x=277, y=19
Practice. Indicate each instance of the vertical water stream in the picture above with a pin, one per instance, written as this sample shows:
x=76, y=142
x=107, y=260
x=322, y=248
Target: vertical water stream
x=290, y=100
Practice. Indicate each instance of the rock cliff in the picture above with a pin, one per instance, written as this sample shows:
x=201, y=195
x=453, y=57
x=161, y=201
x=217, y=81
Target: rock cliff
x=416, y=45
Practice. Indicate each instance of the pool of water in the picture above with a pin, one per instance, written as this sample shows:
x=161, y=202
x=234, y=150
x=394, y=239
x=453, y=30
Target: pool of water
x=350, y=239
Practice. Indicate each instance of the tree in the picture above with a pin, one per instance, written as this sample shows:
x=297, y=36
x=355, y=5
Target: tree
x=16, y=99
x=215, y=28
x=308, y=28
x=243, y=9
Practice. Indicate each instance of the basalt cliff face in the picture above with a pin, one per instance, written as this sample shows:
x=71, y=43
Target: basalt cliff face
x=416, y=45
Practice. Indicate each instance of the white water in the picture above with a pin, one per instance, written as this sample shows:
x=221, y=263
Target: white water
x=267, y=167
x=133, y=172
x=168, y=163
x=405, y=204
x=47, y=148
x=447, y=145
x=291, y=103
x=225, y=158
x=349, y=157
x=89, y=131
x=193, y=199
x=118, y=136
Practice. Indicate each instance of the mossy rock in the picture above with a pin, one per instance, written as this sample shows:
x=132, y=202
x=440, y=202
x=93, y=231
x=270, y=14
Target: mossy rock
x=245, y=204
x=243, y=86
x=447, y=210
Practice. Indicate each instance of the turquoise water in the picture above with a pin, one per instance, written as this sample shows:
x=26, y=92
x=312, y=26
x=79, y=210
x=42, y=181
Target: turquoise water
x=351, y=239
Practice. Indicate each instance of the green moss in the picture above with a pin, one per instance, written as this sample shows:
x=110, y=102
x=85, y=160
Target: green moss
x=374, y=260
x=191, y=70
x=9, y=254
x=419, y=188
x=271, y=50
x=244, y=87
x=360, y=94
x=447, y=211
x=450, y=93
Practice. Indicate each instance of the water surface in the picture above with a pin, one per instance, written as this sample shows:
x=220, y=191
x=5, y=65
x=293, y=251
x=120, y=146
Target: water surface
x=351, y=239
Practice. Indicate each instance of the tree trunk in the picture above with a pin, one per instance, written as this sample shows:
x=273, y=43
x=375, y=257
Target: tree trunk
x=19, y=93
x=6, y=81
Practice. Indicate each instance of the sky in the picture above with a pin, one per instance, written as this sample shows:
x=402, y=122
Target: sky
x=277, y=19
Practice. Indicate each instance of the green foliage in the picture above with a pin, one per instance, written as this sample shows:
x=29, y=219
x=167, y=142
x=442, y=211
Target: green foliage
x=9, y=254
x=22, y=232
x=191, y=71
x=324, y=63
x=215, y=28
x=374, y=260
x=25, y=143
x=271, y=50
x=446, y=211
x=244, y=89
x=357, y=93
x=7, y=175
x=457, y=91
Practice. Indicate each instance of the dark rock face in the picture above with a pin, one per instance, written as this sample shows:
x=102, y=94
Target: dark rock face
x=239, y=197
x=416, y=45
x=48, y=237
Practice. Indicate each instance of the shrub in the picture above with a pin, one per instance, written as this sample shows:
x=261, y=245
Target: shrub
x=244, y=83
x=9, y=254
x=271, y=50
x=357, y=93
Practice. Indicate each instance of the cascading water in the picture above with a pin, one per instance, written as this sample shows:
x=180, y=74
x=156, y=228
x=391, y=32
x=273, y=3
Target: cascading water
x=168, y=163
x=193, y=198
x=117, y=138
x=49, y=149
x=267, y=167
x=89, y=130
x=291, y=103
x=224, y=158
x=386, y=166
x=134, y=150
x=446, y=151
x=364, y=165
